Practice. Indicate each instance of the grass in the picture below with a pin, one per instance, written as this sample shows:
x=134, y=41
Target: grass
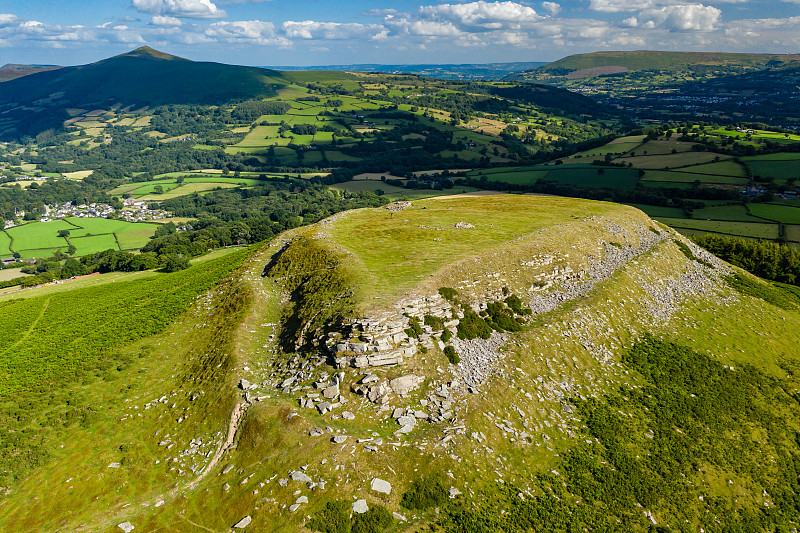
x=726, y=212
x=94, y=244
x=668, y=160
x=88, y=235
x=497, y=219
x=185, y=189
x=751, y=230
x=779, y=213
x=687, y=175
x=38, y=235
x=774, y=169
x=5, y=244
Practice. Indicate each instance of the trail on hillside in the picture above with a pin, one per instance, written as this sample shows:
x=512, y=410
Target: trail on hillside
x=224, y=446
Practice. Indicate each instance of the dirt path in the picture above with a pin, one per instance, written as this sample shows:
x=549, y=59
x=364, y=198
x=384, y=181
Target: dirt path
x=233, y=427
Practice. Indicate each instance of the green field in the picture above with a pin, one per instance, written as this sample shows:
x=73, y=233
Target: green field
x=753, y=230
x=38, y=235
x=94, y=243
x=724, y=168
x=774, y=168
x=5, y=243
x=725, y=212
x=580, y=175
x=780, y=213
x=88, y=235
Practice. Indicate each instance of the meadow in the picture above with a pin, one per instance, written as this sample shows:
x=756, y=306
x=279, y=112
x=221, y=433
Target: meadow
x=88, y=235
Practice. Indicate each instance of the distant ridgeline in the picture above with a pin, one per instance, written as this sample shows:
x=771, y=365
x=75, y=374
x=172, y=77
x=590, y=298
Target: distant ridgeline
x=742, y=86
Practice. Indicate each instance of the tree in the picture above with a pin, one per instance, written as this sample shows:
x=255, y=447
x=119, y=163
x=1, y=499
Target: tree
x=174, y=262
x=63, y=233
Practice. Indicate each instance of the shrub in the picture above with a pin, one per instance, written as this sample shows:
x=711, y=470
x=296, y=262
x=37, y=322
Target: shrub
x=473, y=326
x=446, y=335
x=334, y=518
x=501, y=317
x=414, y=329
x=448, y=294
x=424, y=493
x=434, y=321
x=515, y=304
x=451, y=354
x=377, y=519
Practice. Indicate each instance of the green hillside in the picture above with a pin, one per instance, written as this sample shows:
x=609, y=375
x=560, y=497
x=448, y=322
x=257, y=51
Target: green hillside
x=650, y=60
x=492, y=363
x=143, y=77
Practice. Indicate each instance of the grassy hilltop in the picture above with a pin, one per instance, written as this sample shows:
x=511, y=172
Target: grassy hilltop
x=567, y=364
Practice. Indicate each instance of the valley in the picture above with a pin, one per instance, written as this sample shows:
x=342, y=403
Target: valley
x=244, y=299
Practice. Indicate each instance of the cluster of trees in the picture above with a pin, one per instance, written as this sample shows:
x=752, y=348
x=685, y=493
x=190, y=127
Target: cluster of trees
x=768, y=260
x=250, y=110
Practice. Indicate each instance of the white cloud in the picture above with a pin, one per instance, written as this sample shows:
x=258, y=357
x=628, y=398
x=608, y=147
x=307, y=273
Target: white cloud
x=7, y=19
x=201, y=9
x=162, y=20
x=616, y=6
x=246, y=31
x=310, y=29
x=552, y=7
x=695, y=17
x=479, y=15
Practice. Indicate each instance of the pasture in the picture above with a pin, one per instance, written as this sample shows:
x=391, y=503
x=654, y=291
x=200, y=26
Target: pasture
x=88, y=235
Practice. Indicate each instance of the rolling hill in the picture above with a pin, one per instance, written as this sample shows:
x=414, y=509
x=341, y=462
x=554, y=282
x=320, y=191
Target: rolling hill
x=603, y=63
x=143, y=77
x=495, y=363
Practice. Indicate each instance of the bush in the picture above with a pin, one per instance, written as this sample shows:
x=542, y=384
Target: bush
x=451, y=354
x=414, y=329
x=377, y=519
x=501, y=317
x=515, y=304
x=473, y=326
x=425, y=493
x=446, y=335
x=448, y=294
x=434, y=321
x=334, y=518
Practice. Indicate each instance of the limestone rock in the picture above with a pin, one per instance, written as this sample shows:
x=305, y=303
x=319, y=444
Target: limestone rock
x=360, y=506
x=127, y=527
x=302, y=499
x=294, y=507
x=300, y=476
x=244, y=384
x=331, y=392
x=347, y=415
x=453, y=492
x=244, y=522
x=379, y=485
x=405, y=384
x=339, y=439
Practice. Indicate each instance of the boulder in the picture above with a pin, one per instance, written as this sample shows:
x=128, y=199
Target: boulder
x=331, y=392
x=244, y=522
x=379, y=485
x=360, y=506
x=127, y=527
x=300, y=476
x=244, y=384
x=339, y=439
x=405, y=384
x=347, y=415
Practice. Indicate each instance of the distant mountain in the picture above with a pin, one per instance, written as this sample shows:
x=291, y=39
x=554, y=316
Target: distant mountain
x=476, y=71
x=603, y=63
x=651, y=85
x=138, y=78
x=13, y=71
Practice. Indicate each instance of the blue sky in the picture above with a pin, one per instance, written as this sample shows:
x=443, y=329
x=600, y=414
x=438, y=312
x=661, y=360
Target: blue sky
x=313, y=32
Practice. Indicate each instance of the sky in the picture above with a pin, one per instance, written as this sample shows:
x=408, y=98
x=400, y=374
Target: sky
x=314, y=32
